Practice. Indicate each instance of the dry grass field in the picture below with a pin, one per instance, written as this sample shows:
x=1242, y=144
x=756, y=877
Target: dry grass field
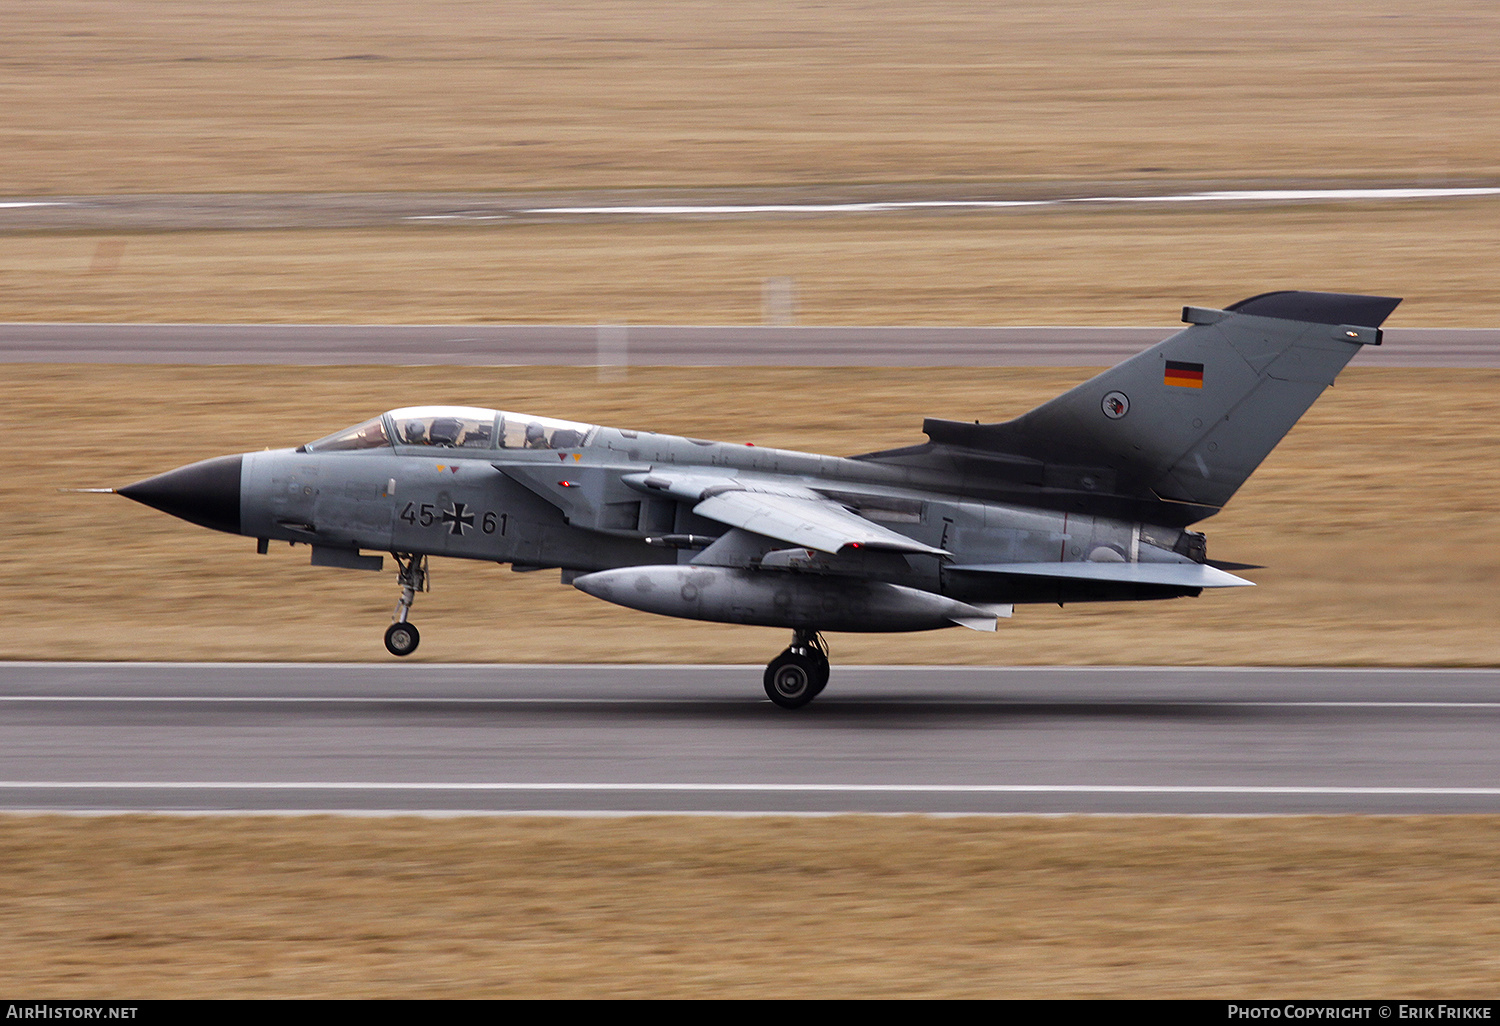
x=861, y=907
x=1379, y=517
x=105, y=96
x=1069, y=266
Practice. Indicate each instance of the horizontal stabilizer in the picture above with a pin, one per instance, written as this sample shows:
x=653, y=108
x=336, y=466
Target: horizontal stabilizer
x=1178, y=575
x=1224, y=564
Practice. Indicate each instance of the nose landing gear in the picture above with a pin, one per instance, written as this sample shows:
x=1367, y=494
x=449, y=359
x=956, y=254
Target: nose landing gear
x=799, y=674
x=402, y=638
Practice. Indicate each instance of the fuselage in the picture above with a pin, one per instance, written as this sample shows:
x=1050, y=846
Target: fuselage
x=537, y=493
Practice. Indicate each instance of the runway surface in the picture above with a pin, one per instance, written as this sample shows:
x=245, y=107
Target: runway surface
x=659, y=345
x=618, y=739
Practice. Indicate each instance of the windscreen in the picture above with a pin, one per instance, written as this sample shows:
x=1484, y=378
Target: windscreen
x=369, y=435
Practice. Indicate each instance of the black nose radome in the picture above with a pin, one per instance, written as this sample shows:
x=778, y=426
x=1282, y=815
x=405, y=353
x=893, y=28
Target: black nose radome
x=206, y=493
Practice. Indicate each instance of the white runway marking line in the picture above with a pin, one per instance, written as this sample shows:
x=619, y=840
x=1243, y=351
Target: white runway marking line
x=1223, y=196
x=901, y=699
x=774, y=788
x=107, y=664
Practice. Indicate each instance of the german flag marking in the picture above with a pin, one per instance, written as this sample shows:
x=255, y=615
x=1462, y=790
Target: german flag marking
x=1184, y=375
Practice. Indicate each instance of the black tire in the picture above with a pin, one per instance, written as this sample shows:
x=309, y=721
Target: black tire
x=402, y=639
x=822, y=679
x=792, y=680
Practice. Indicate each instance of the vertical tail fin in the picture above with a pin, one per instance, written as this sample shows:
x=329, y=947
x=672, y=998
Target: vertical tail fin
x=1190, y=419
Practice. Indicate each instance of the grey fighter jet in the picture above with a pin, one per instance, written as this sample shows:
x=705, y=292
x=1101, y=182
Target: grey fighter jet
x=1086, y=498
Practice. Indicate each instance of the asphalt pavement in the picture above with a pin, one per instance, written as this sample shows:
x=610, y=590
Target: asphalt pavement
x=434, y=739
x=659, y=345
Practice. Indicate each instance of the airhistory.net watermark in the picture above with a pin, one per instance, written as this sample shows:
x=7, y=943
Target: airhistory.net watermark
x=54, y=1010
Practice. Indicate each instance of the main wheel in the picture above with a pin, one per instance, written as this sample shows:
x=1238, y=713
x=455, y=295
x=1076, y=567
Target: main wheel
x=792, y=680
x=402, y=639
x=821, y=681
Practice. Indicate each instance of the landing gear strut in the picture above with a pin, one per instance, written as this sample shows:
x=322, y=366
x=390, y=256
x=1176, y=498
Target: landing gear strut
x=799, y=674
x=402, y=638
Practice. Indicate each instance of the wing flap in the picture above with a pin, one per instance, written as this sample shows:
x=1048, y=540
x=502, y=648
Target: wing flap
x=809, y=522
x=1181, y=575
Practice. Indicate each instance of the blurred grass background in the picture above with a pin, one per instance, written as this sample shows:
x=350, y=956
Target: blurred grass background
x=844, y=906
x=150, y=96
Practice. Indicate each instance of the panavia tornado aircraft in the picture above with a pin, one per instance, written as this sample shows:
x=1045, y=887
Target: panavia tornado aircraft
x=1086, y=498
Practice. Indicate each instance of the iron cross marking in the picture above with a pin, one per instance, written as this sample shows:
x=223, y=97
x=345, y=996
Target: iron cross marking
x=457, y=519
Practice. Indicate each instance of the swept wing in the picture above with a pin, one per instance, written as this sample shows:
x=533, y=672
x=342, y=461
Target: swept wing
x=807, y=520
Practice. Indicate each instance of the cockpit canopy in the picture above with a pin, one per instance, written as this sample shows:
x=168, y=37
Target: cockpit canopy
x=457, y=427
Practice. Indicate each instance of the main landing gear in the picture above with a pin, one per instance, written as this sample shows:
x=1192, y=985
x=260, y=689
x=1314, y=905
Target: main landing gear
x=402, y=638
x=799, y=674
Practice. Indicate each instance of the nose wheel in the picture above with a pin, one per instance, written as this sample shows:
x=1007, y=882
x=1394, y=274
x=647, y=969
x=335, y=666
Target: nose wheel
x=799, y=674
x=402, y=638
